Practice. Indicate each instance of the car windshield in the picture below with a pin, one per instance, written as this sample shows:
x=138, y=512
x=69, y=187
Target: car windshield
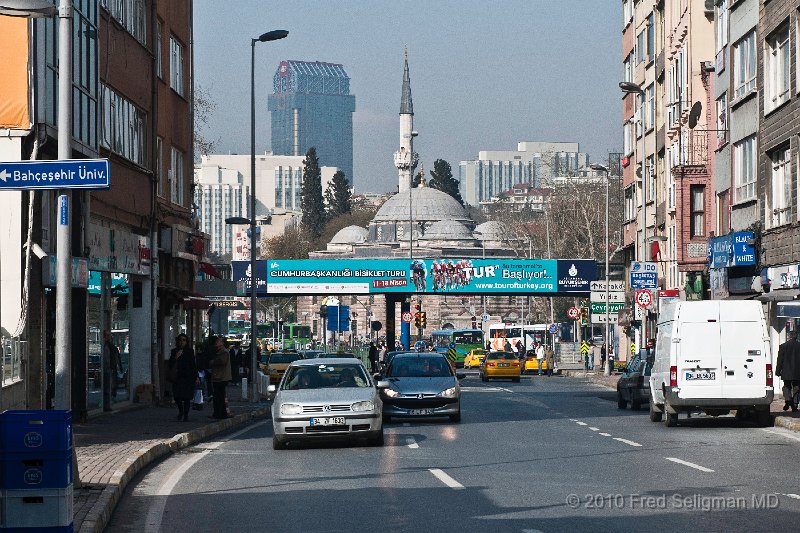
x=500, y=355
x=419, y=367
x=284, y=357
x=325, y=376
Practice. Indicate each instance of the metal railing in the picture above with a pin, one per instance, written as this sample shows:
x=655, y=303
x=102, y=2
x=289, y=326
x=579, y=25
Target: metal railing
x=14, y=352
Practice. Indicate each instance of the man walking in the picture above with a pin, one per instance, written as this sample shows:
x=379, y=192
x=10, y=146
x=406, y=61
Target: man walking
x=373, y=357
x=540, y=357
x=220, y=376
x=788, y=368
x=111, y=365
x=550, y=359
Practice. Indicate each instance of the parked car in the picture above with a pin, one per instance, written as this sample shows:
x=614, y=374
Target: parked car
x=326, y=398
x=421, y=385
x=500, y=365
x=633, y=385
x=712, y=356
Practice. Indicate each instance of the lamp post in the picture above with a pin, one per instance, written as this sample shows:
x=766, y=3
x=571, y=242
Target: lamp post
x=604, y=169
x=481, y=236
x=628, y=87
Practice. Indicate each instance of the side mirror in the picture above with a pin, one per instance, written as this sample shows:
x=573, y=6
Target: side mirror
x=382, y=385
x=460, y=375
x=271, y=389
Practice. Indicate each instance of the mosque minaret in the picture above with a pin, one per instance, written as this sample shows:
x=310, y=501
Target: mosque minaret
x=406, y=158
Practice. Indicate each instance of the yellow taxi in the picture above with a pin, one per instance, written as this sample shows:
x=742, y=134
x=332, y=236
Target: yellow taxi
x=500, y=365
x=278, y=363
x=474, y=358
x=532, y=364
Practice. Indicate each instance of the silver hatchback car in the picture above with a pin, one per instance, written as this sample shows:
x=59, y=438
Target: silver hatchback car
x=326, y=398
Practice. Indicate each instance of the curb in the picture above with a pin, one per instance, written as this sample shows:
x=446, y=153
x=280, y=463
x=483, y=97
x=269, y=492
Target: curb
x=99, y=515
x=792, y=424
x=587, y=374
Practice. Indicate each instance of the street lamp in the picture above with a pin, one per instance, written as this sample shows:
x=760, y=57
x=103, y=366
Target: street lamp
x=604, y=169
x=628, y=87
x=265, y=37
x=481, y=236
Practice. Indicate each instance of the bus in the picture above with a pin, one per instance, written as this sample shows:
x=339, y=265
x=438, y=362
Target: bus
x=296, y=336
x=534, y=334
x=499, y=334
x=457, y=343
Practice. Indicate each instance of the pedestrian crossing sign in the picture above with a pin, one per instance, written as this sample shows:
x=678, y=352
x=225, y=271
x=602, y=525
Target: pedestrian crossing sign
x=584, y=347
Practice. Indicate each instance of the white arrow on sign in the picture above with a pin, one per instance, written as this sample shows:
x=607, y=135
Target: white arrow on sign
x=613, y=286
x=3, y=175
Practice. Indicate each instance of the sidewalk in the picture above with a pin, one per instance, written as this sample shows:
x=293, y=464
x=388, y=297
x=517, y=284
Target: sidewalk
x=112, y=448
x=784, y=419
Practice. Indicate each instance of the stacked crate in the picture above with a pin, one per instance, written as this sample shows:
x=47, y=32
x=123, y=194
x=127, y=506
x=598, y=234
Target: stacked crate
x=36, y=471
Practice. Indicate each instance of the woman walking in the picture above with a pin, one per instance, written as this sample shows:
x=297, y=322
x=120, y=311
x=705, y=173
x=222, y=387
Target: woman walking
x=183, y=373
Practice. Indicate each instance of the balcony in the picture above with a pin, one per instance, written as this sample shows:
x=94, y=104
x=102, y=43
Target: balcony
x=693, y=149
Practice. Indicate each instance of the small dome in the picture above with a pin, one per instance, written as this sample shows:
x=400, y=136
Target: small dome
x=427, y=205
x=350, y=235
x=445, y=230
x=491, y=231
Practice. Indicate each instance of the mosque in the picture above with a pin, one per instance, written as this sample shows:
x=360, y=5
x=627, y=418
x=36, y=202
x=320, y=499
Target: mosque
x=421, y=222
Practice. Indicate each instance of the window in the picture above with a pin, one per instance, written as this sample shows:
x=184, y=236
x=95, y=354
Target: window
x=627, y=12
x=641, y=51
x=627, y=138
x=628, y=68
x=781, y=188
x=651, y=37
x=650, y=174
x=159, y=166
x=649, y=108
x=124, y=127
x=670, y=177
x=676, y=87
x=722, y=25
x=630, y=204
x=777, y=82
x=177, y=177
x=130, y=14
x=722, y=119
x=744, y=169
x=176, y=65
x=698, y=199
x=159, y=64
x=744, y=63
x=13, y=353
x=724, y=218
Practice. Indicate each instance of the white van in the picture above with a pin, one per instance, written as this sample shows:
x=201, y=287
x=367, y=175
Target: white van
x=712, y=356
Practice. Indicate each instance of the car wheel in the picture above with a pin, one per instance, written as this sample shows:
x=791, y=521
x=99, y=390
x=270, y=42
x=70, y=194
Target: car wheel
x=277, y=443
x=621, y=403
x=636, y=403
x=456, y=417
x=377, y=440
x=655, y=416
x=670, y=419
x=387, y=419
x=763, y=418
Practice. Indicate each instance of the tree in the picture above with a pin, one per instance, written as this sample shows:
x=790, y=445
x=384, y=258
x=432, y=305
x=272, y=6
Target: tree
x=312, y=205
x=442, y=179
x=203, y=107
x=292, y=244
x=338, y=196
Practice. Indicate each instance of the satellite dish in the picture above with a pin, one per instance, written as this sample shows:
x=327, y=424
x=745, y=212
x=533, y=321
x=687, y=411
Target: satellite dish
x=694, y=114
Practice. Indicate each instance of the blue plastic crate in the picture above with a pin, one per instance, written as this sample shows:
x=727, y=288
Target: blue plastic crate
x=39, y=431
x=44, y=470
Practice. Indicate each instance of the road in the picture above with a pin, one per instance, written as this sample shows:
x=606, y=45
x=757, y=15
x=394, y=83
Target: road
x=546, y=454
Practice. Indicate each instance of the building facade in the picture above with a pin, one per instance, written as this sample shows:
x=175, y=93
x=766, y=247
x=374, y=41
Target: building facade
x=311, y=106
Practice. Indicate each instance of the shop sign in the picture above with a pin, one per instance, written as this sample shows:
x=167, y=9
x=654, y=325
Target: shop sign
x=719, y=283
x=731, y=250
x=784, y=277
x=112, y=248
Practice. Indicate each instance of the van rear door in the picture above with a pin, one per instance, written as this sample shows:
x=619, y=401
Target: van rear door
x=744, y=360
x=698, y=360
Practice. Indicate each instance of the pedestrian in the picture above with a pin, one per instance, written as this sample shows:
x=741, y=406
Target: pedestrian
x=550, y=359
x=205, y=364
x=236, y=363
x=373, y=357
x=540, y=357
x=520, y=350
x=507, y=346
x=382, y=356
x=603, y=356
x=611, y=357
x=111, y=366
x=788, y=368
x=182, y=368
x=220, y=376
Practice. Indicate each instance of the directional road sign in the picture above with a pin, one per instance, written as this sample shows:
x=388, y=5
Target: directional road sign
x=573, y=313
x=613, y=286
x=485, y=317
x=600, y=307
x=406, y=317
x=58, y=174
x=644, y=298
x=612, y=297
x=644, y=275
x=600, y=318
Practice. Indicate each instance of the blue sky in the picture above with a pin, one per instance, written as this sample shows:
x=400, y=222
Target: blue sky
x=484, y=75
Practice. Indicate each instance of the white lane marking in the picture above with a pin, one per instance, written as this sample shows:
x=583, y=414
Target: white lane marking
x=793, y=496
x=629, y=442
x=155, y=515
x=411, y=443
x=606, y=434
x=444, y=478
x=485, y=389
x=581, y=423
x=572, y=420
x=594, y=429
x=782, y=434
x=687, y=463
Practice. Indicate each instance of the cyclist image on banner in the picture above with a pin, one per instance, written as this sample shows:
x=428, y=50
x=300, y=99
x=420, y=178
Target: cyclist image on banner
x=450, y=275
x=418, y=274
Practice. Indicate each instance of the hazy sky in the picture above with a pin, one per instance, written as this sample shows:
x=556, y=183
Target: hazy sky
x=484, y=74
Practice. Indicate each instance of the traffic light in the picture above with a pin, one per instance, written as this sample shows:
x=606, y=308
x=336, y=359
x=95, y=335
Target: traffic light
x=417, y=307
x=584, y=315
x=417, y=319
x=474, y=322
x=423, y=319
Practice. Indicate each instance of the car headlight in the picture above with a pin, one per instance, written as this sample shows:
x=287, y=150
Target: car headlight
x=362, y=406
x=448, y=393
x=391, y=393
x=291, y=409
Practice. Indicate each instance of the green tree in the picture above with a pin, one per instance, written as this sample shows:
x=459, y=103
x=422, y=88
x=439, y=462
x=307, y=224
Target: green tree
x=312, y=205
x=337, y=196
x=443, y=180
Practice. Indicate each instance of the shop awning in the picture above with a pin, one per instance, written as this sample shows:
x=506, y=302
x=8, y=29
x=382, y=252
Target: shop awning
x=196, y=301
x=789, y=309
x=208, y=268
x=779, y=295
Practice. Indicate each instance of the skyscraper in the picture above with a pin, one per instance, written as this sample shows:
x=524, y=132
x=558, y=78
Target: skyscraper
x=311, y=106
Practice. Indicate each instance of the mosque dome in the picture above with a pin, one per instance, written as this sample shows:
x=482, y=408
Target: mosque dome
x=427, y=205
x=445, y=230
x=491, y=231
x=350, y=235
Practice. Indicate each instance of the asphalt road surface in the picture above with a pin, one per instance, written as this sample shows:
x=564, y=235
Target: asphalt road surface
x=546, y=454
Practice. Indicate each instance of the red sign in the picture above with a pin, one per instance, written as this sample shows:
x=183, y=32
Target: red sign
x=406, y=317
x=386, y=283
x=644, y=298
x=573, y=313
x=669, y=293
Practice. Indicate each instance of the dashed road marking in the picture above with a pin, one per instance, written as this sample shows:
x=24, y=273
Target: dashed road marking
x=793, y=496
x=411, y=443
x=594, y=429
x=581, y=423
x=628, y=442
x=687, y=463
x=606, y=434
x=444, y=478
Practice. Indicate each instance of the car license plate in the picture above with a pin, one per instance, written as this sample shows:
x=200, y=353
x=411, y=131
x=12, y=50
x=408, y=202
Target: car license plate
x=503, y=364
x=420, y=411
x=335, y=421
x=701, y=376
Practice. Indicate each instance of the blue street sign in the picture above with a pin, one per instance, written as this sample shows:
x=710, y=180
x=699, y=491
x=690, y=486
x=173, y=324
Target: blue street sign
x=553, y=328
x=644, y=275
x=60, y=174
